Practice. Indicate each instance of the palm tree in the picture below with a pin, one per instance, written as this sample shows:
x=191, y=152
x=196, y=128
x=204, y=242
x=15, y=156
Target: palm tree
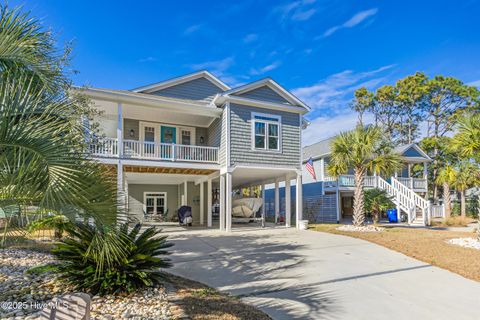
x=377, y=201
x=446, y=177
x=467, y=139
x=365, y=150
x=466, y=177
x=44, y=159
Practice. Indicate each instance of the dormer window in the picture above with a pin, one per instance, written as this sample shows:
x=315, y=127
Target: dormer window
x=266, y=131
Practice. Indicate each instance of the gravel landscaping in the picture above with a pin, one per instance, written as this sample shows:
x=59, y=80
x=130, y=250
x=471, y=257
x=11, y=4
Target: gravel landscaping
x=24, y=294
x=465, y=242
x=353, y=228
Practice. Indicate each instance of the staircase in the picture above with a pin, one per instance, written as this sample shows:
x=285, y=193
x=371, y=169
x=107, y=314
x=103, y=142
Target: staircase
x=416, y=208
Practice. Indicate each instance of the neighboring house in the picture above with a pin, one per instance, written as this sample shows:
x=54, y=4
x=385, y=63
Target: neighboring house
x=192, y=140
x=332, y=198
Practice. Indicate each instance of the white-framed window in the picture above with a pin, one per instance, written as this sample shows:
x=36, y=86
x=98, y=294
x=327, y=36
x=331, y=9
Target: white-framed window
x=266, y=131
x=186, y=138
x=154, y=202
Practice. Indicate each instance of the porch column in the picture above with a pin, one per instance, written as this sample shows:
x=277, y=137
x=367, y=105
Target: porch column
x=339, y=212
x=425, y=176
x=202, y=203
x=288, y=203
x=121, y=215
x=251, y=191
x=222, y=203
x=322, y=169
x=228, y=202
x=277, y=201
x=185, y=194
x=263, y=205
x=120, y=129
x=209, y=203
x=298, y=200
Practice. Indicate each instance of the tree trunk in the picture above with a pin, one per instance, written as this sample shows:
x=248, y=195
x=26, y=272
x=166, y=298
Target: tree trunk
x=462, y=204
x=446, y=200
x=358, y=197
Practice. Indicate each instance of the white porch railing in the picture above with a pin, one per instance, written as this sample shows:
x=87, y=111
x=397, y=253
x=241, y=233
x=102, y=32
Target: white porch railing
x=348, y=180
x=414, y=183
x=108, y=147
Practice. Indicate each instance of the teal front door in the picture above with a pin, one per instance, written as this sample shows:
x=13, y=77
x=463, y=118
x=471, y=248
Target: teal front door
x=168, y=134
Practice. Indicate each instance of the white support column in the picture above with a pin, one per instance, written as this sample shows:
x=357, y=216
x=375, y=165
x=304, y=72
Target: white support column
x=277, y=201
x=263, y=205
x=120, y=129
x=228, y=202
x=185, y=194
x=251, y=191
x=202, y=202
x=222, y=203
x=209, y=203
x=322, y=169
x=121, y=216
x=298, y=200
x=288, y=203
x=425, y=176
x=339, y=212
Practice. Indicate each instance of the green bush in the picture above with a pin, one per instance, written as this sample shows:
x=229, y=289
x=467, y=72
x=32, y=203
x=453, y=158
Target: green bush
x=104, y=260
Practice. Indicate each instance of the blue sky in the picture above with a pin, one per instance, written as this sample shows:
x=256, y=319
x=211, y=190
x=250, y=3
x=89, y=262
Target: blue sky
x=320, y=50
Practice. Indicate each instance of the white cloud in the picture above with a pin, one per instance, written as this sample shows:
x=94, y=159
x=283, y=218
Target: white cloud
x=303, y=15
x=333, y=93
x=474, y=83
x=265, y=69
x=357, y=18
x=220, y=69
x=297, y=10
x=216, y=66
x=250, y=38
x=324, y=127
x=192, y=29
x=147, y=59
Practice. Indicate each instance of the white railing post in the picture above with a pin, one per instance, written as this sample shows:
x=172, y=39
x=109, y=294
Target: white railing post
x=173, y=150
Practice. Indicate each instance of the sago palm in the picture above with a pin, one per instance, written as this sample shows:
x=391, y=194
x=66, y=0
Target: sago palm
x=363, y=149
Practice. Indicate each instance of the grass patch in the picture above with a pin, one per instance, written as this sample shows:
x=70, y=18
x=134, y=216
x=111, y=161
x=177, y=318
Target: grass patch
x=201, y=302
x=454, y=221
x=429, y=246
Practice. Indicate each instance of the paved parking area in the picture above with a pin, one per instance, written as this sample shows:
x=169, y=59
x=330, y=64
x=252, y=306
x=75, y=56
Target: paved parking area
x=292, y=274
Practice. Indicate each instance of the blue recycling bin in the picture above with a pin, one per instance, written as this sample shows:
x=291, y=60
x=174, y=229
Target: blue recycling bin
x=392, y=215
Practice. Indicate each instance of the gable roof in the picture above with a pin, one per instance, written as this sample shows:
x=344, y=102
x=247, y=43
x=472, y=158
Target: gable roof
x=322, y=148
x=402, y=150
x=273, y=85
x=317, y=150
x=182, y=79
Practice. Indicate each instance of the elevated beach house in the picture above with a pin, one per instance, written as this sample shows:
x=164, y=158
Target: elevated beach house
x=193, y=140
x=330, y=199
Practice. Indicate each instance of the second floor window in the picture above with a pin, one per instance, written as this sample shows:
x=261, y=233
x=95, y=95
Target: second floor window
x=266, y=130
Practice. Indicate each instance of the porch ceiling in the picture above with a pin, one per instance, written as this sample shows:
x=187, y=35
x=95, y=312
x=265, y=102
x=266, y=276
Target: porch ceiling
x=153, y=178
x=154, y=114
x=165, y=170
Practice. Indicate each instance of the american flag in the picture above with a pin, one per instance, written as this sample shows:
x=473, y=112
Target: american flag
x=309, y=167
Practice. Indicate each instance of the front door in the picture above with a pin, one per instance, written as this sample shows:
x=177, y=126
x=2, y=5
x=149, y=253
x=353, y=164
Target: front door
x=168, y=134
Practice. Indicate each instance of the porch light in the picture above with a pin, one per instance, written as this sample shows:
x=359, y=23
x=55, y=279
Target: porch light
x=132, y=133
x=202, y=139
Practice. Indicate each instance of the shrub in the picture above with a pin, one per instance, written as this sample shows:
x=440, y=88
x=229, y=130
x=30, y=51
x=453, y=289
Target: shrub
x=104, y=260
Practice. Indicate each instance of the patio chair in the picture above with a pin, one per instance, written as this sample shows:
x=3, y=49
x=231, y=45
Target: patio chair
x=184, y=214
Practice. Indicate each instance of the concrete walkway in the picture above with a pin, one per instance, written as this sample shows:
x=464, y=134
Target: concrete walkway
x=293, y=274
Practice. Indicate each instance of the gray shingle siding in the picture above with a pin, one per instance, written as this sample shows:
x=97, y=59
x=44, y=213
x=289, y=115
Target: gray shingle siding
x=241, y=139
x=222, y=153
x=197, y=89
x=264, y=94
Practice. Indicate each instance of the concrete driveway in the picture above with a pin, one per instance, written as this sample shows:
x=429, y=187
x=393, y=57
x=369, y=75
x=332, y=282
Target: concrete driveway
x=293, y=274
